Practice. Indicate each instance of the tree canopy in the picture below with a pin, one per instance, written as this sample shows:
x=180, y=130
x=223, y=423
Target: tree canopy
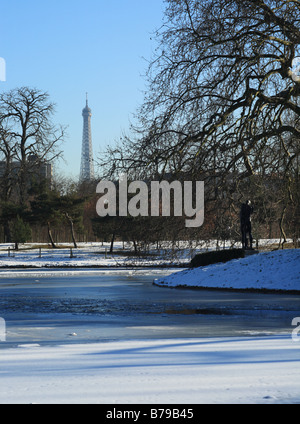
x=223, y=90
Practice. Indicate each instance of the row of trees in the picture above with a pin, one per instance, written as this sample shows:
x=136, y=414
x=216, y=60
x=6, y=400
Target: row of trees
x=67, y=212
x=272, y=218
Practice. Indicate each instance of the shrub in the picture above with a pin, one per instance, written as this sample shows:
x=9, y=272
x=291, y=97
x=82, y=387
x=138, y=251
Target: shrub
x=208, y=258
x=20, y=232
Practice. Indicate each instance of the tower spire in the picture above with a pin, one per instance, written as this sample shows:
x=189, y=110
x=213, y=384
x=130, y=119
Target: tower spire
x=87, y=164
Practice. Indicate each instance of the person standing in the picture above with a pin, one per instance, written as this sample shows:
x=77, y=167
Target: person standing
x=246, y=228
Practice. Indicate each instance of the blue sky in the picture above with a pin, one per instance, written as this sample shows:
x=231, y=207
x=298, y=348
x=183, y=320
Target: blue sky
x=70, y=47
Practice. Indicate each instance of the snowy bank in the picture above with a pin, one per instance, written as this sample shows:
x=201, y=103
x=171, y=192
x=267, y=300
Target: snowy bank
x=277, y=270
x=174, y=371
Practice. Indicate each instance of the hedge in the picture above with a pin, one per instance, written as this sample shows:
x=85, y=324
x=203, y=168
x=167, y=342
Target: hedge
x=208, y=258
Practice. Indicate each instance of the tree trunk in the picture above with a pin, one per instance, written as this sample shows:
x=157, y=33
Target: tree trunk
x=135, y=247
x=50, y=236
x=72, y=229
x=112, y=243
x=282, y=229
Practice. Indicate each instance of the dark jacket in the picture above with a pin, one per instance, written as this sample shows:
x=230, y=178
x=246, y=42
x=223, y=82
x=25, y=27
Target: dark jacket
x=245, y=214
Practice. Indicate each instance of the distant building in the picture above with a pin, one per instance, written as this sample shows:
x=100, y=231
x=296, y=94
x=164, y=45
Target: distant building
x=35, y=168
x=87, y=163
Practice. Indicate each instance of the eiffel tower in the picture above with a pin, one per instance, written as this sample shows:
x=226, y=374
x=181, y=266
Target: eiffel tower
x=87, y=164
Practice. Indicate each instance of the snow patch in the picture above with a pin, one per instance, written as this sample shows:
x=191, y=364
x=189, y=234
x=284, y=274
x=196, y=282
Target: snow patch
x=276, y=270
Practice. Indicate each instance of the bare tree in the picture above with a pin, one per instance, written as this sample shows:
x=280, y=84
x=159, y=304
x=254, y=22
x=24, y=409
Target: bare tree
x=7, y=153
x=30, y=137
x=223, y=69
x=223, y=98
x=28, y=140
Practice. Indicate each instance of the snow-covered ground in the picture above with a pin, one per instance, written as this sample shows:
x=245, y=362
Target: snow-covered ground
x=97, y=254
x=173, y=371
x=277, y=270
x=181, y=371
x=89, y=255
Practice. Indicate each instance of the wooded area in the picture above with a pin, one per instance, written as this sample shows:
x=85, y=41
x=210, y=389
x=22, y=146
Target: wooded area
x=222, y=106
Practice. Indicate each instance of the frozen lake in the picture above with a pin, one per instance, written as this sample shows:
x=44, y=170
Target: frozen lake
x=61, y=306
